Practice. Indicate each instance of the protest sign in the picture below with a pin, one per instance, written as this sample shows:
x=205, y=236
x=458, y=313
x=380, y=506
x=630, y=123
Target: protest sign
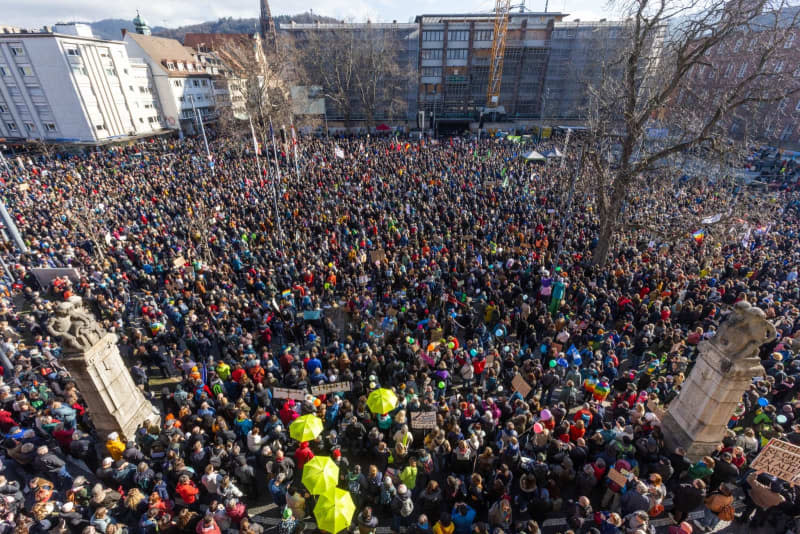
x=324, y=389
x=436, y=335
x=286, y=393
x=377, y=255
x=520, y=385
x=423, y=419
x=780, y=459
x=45, y=275
x=178, y=262
x=617, y=477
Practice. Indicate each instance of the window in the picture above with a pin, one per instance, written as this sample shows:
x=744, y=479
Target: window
x=130, y=88
x=178, y=83
x=170, y=65
x=432, y=53
x=751, y=45
x=30, y=126
x=77, y=69
x=484, y=35
x=17, y=50
x=42, y=109
x=779, y=67
x=25, y=70
x=787, y=132
x=14, y=91
x=111, y=72
x=729, y=70
x=432, y=36
x=50, y=126
x=4, y=71
x=457, y=53
x=196, y=83
x=797, y=107
x=432, y=71
x=204, y=83
x=12, y=126
x=3, y=109
x=141, y=120
x=73, y=51
x=789, y=40
x=738, y=45
x=458, y=35
x=99, y=127
x=742, y=70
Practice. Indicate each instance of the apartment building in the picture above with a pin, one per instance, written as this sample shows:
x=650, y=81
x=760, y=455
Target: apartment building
x=65, y=85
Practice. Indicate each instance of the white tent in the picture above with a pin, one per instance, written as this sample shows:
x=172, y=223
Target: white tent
x=555, y=153
x=534, y=156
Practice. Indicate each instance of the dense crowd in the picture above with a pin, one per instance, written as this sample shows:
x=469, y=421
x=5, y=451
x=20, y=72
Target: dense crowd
x=429, y=268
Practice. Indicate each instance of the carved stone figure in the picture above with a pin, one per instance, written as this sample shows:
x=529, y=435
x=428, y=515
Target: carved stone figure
x=743, y=332
x=78, y=330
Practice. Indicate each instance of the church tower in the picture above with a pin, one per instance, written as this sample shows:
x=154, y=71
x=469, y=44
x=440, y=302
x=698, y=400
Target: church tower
x=140, y=25
x=269, y=36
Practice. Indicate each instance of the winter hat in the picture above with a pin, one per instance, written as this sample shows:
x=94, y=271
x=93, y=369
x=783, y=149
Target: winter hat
x=402, y=489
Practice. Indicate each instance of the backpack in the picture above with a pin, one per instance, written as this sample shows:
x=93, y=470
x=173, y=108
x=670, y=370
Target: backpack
x=406, y=508
x=354, y=486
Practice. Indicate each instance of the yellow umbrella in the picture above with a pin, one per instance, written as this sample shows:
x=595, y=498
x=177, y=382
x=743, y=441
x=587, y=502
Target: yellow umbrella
x=305, y=427
x=381, y=401
x=334, y=511
x=320, y=475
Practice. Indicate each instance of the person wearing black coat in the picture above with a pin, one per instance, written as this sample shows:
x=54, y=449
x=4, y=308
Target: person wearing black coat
x=724, y=472
x=688, y=497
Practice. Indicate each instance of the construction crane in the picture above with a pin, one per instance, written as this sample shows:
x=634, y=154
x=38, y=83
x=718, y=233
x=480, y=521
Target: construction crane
x=501, y=11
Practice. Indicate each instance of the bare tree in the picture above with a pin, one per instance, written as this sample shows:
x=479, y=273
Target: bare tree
x=660, y=83
x=360, y=70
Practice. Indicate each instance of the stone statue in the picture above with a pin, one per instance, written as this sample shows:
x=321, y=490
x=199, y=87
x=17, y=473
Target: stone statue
x=78, y=330
x=743, y=332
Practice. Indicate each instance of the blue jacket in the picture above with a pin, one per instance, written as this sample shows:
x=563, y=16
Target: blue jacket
x=463, y=523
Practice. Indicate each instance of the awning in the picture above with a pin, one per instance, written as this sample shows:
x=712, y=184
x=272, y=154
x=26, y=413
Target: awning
x=534, y=156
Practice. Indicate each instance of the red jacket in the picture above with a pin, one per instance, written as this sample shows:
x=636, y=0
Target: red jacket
x=211, y=528
x=301, y=456
x=188, y=493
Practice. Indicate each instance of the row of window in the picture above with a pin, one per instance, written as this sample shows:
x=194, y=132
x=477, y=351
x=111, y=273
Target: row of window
x=457, y=35
x=24, y=70
x=30, y=127
x=195, y=83
x=452, y=53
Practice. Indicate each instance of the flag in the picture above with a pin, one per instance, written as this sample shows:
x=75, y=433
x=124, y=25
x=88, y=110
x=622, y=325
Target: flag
x=338, y=152
x=713, y=219
x=572, y=351
x=286, y=293
x=698, y=236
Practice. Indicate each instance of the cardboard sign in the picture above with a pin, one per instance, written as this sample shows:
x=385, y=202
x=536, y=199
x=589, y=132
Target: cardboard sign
x=780, y=459
x=423, y=419
x=520, y=385
x=363, y=280
x=391, y=312
x=617, y=477
x=179, y=262
x=286, y=393
x=312, y=315
x=436, y=335
x=324, y=389
x=377, y=255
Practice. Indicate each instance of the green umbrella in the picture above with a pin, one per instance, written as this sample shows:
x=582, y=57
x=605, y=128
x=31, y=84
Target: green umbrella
x=334, y=511
x=320, y=475
x=305, y=427
x=381, y=401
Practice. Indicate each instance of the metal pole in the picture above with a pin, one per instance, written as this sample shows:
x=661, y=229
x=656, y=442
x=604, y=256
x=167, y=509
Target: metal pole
x=566, y=144
x=7, y=220
x=568, y=210
x=203, y=130
x=294, y=149
x=277, y=178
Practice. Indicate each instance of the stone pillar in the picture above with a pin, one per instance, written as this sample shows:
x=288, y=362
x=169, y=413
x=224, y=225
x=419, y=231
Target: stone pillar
x=92, y=358
x=697, y=419
x=115, y=402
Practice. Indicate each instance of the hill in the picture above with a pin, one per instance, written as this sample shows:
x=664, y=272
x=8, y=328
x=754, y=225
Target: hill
x=110, y=28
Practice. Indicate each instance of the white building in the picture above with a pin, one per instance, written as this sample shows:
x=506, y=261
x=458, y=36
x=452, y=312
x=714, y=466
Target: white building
x=66, y=85
x=180, y=80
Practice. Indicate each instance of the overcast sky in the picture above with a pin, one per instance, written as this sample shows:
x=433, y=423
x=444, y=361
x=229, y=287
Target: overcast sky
x=36, y=13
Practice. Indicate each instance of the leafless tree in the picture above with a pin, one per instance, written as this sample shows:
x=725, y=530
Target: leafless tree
x=360, y=71
x=659, y=83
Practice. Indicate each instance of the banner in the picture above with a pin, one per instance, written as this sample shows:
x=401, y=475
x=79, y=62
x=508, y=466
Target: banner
x=324, y=389
x=423, y=420
x=780, y=459
x=45, y=275
x=286, y=393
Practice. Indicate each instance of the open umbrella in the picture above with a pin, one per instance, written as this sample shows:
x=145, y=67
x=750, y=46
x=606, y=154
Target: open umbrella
x=381, y=400
x=305, y=427
x=334, y=511
x=320, y=475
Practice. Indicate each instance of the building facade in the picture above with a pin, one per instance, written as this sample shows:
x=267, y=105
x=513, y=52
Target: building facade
x=181, y=81
x=65, y=85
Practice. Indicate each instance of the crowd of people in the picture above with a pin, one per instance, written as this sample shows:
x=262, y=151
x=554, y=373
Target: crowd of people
x=427, y=267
